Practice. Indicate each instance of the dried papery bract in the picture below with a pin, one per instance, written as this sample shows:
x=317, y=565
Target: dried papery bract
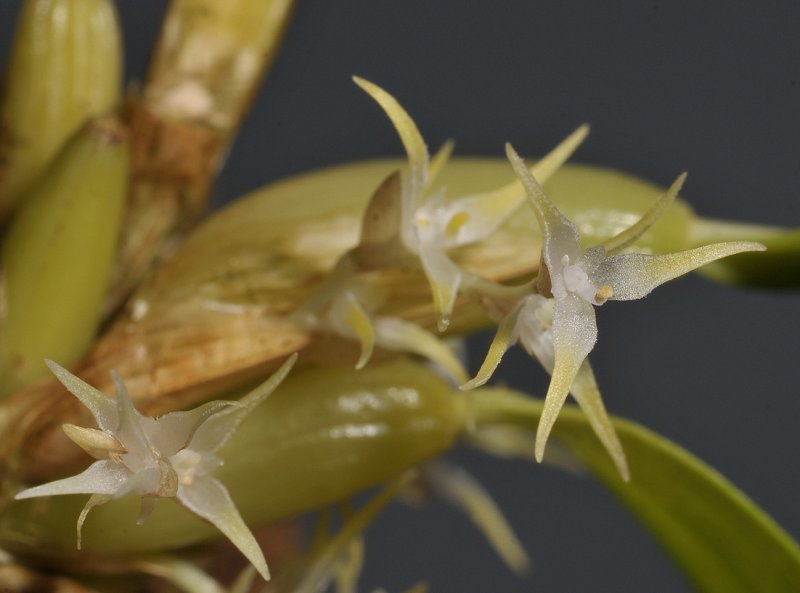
x=207, y=65
x=557, y=323
x=171, y=456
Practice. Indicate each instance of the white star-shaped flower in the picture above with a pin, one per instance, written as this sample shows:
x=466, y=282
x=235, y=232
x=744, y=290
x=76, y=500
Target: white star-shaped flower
x=429, y=226
x=403, y=225
x=173, y=456
x=557, y=325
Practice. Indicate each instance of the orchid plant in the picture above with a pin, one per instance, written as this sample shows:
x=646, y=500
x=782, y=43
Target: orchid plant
x=400, y=258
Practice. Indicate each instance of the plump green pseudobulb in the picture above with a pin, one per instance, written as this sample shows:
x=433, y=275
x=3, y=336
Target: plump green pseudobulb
x=322, y=436
x=58, y=253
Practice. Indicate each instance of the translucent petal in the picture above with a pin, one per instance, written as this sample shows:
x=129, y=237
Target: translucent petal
x=130, y=432
x=415, y=149
x=444, y=277
x=94, y=501
x=171, y=432
x=486, y=212
x=102, y=477
x=586, y=393
x=574, y=335
x=438, y=161
x=214, y=432
x=463, y=491
x=634, y=275
x=209, y=499
x=534, y=329
x=404, y=336
x=648, y=219
x=505, y=337
x=102, y=407
x=560, y=234
x=350, y=319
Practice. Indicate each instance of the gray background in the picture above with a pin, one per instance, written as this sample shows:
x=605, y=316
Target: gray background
x=711, y=88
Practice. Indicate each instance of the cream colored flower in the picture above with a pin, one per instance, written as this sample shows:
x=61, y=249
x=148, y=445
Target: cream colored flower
x=403, y=225
x=172, y=456
x=556, y=323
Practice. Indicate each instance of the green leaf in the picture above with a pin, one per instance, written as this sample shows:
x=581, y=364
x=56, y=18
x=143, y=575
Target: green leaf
x=722, y=540
x=777, y=267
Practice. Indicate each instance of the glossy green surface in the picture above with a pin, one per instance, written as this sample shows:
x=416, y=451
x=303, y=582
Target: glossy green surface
x=65, y=66
x=58, y=253
x=324, y=435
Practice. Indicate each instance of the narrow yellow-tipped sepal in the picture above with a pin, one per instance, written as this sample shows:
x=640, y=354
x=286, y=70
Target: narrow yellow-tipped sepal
x=503, y=340
x=404, y=336
x=348, y=311
x=648, y=219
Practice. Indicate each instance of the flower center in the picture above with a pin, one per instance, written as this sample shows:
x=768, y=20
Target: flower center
x=577, y=281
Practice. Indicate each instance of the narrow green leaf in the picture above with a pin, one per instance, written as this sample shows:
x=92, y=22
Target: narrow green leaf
x=722, y=540
x=777, y=267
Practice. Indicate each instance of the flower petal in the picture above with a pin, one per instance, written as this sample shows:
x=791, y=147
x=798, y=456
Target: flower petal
x=444, y=277
x=94, y=501
x=404, y=336
x=171, y=432
x=129, y=431
x=416, y=150
x=102, y=407
x=482, y=214
x=586, y=393
x=463, y=491
x=209, y=499
x=439, y=160
x=349, y=318
x=102, y=477
x=215, y=432
x=505, y=337
x=560, y=235
x=625, y=238
x=634, y=275
x=574, y=335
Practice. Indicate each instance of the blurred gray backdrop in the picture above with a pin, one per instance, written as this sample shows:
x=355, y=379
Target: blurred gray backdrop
x=712, y=88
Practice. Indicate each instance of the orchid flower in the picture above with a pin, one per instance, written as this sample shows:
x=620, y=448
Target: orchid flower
x=171, y=456
x=428, y=228
x=556, y=324
x=399, y=226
